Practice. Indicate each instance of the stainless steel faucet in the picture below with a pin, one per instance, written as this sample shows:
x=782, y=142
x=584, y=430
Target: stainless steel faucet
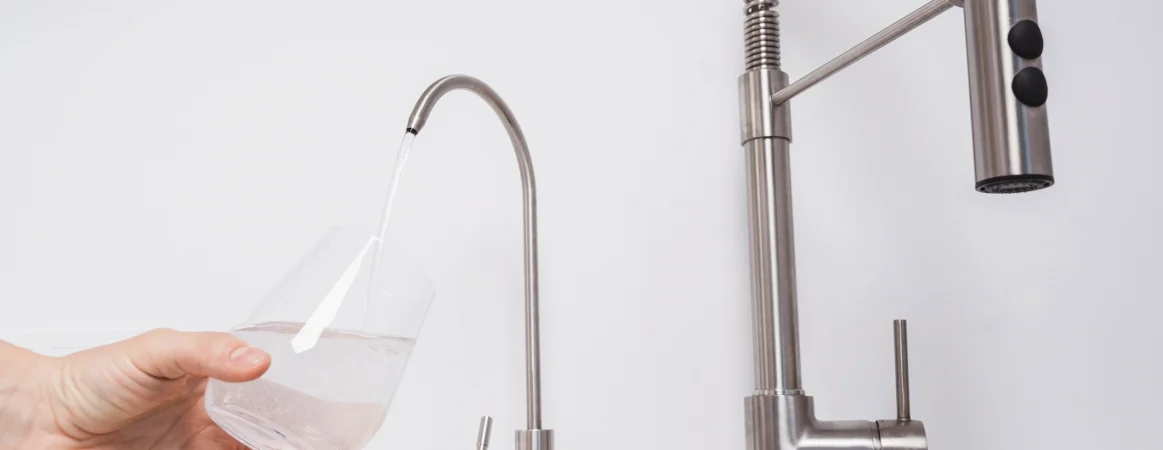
x=1012, y=154
x=533, y=437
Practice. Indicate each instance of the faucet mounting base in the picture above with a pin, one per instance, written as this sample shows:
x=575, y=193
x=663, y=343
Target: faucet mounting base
x=788, y=422
x=534, y=440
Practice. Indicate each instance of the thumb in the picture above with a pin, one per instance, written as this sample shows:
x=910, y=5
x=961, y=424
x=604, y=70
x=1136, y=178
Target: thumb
x=165, y=353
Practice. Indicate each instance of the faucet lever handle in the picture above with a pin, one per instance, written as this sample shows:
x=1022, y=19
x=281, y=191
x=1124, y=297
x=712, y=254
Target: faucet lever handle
x=483, y=432
x=901, y=349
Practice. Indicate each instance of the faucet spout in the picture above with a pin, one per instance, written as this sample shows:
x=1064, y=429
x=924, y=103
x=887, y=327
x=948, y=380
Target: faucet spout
x=534, y=438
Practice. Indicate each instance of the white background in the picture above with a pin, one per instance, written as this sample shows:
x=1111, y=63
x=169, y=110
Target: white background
x=164, y=163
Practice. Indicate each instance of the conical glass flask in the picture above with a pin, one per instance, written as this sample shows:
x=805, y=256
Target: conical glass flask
x=340, y=328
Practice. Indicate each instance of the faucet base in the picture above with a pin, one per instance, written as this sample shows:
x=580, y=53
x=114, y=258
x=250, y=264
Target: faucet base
x=534, y=440
x=902, y=435
x=788, y=422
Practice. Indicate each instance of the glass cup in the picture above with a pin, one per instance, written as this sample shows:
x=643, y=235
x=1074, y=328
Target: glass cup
x=339, y=328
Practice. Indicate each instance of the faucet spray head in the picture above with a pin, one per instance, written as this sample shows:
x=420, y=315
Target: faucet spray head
x=1007, y=92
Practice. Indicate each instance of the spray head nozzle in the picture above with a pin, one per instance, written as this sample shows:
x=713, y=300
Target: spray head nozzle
x=1007, y=92
x=1014, y=184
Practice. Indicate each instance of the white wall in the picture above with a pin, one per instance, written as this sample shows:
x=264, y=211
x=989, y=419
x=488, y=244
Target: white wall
x=163, y=163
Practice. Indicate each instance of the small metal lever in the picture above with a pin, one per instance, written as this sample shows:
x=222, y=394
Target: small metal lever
x=483, y=433
x=901, y=343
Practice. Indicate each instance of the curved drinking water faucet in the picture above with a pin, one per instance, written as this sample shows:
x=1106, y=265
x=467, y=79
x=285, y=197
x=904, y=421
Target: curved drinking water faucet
x=532, y=438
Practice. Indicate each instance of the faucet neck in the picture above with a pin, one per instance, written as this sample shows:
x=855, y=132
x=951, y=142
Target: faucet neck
x=416, y=122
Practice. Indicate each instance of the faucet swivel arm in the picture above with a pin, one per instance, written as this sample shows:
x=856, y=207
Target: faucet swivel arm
x=899, y=28
x=534, y=437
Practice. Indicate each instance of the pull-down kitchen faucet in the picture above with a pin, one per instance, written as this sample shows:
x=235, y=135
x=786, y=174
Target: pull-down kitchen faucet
x=1012, y=154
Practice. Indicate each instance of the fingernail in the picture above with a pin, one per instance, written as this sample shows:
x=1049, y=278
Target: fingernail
x=247, y=356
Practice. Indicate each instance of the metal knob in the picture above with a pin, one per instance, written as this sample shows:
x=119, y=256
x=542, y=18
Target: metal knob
x=900, y=335
x=483, y=433
x=904, y=433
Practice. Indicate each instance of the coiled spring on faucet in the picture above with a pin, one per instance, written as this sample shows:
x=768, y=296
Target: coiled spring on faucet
x=762, y=34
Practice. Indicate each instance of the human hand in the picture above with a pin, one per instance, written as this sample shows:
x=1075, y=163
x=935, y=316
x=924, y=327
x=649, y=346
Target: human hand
x=142, y=393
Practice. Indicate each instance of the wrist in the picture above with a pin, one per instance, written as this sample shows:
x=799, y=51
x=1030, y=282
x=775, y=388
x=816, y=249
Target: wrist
x=18, y=403
x=15, y=365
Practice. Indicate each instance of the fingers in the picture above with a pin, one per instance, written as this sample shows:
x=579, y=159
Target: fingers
x=171, y=354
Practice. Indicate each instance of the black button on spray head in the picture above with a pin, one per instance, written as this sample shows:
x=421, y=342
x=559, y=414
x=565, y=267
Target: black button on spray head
x=1030, y=87
x=1025, y=39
